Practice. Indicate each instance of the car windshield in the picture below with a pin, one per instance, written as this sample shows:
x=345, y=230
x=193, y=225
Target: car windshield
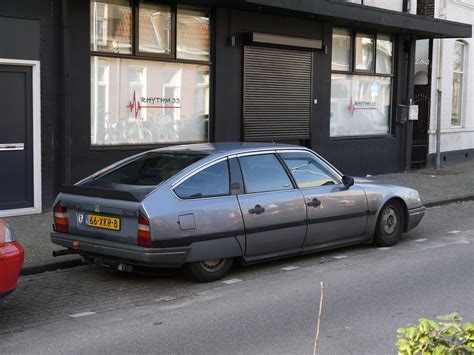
x=148, y=170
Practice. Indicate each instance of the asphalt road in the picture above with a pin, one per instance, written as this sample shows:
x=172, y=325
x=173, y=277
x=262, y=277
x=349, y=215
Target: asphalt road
x=368, y=293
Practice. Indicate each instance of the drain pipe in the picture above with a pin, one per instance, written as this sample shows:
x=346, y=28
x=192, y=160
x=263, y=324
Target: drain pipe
x=439, y=89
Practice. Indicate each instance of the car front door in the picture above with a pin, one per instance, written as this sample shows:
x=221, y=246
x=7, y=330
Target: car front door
x=335, y=213
x=273, y=209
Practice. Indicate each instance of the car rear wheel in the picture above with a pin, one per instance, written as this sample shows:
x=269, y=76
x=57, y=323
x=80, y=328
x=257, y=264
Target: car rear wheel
x=208, y=270
x=390, y=224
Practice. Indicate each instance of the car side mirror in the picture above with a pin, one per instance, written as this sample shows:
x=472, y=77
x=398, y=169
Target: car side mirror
x=348, y=181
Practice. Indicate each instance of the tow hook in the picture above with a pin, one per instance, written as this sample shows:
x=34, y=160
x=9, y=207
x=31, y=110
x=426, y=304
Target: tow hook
x=65, y=252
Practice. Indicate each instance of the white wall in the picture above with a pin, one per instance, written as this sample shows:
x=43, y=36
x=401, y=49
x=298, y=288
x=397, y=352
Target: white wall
x=395, y=5
x=453, y=138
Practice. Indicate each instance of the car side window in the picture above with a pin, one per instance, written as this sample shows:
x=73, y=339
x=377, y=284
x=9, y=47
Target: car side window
x=307, y=171
x=210, y=182
x=263, y=173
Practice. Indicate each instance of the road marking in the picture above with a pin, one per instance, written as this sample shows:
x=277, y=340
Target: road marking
x=290, y=268
x=420, y=240
x=383, y=248
x=338, y=257
x=83, y=314
x=454, y=232
x=231, y=281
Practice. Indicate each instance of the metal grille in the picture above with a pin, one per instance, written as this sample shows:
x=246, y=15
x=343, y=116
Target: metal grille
x=420, y=127
x=277, y=94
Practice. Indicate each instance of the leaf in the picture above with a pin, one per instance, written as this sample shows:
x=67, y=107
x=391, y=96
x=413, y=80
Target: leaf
x=411, y=333
x=439, y=350
x=424, y=326
x=433, y=324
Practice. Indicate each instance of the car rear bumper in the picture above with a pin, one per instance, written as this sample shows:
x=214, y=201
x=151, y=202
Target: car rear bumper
x=11, y=261
x=107, y=251
x=415, y=216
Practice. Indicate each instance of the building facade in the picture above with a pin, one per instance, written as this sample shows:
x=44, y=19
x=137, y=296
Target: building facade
x=452, y=94
x=85, y=83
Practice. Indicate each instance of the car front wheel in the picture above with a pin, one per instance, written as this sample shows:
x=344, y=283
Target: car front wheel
x=390, y=224
x=208, y=270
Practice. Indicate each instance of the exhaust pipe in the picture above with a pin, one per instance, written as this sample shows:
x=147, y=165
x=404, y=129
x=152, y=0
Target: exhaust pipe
x=65, y=252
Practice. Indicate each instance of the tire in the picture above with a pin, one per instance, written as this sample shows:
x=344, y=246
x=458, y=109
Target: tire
x=209, y=270
x=390, y=224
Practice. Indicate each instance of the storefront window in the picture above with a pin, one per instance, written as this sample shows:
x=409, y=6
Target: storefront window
x=384, y=54
x=149, y=73
x=360, y=105
x=155, y=28
x=111, y=26
x=341, y=49
x=159, y=103
x=361, y=98
x=364, y=52
x=193, y=34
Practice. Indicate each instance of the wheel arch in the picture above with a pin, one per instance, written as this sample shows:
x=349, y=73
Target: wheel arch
x=222, y=248
x=404, y=206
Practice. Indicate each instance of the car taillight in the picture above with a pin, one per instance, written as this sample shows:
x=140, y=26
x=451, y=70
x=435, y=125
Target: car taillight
x=144, y=235
x=61, y=222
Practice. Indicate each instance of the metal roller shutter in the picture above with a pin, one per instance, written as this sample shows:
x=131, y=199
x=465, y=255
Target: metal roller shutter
x=277, y=94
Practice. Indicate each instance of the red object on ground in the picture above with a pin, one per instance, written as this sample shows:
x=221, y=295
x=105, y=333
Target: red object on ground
x=12, y=256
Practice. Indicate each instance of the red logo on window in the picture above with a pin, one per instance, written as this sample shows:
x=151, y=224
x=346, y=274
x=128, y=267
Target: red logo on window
x=135, y=106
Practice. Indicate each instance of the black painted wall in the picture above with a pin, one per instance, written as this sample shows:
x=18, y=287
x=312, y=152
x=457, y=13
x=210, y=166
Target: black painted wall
x=62, y=44
x=29, y=29
x=356, y=156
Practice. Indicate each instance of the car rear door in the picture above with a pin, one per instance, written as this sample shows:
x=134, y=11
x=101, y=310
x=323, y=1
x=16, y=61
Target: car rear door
x=273, y=209
x=334, y=212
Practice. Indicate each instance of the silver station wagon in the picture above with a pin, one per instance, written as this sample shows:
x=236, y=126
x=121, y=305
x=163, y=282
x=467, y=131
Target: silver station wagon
x=204, y=206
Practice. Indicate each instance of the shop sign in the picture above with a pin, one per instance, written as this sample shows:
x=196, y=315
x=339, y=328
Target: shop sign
x=156, y=102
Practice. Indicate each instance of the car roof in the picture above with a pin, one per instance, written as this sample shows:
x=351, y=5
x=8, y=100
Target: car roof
x=229, y=148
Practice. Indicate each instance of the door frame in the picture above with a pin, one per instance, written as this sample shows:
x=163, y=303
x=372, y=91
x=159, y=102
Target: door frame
x=36, y=109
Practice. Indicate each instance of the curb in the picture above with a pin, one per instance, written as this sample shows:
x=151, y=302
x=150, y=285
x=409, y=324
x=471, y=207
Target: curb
x=38, y=268
x=448, y=199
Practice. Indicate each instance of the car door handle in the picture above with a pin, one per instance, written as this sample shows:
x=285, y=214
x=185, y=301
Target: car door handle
x=257, y=209
x=314, y=203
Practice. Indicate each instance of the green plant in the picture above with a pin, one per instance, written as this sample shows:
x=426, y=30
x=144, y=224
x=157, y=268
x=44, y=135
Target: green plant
x=449, y=336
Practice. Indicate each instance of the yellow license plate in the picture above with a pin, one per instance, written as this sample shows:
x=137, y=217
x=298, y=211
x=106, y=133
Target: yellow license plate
x=104, y=222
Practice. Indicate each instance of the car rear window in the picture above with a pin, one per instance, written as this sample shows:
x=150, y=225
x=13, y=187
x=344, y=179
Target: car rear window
x=149, y=170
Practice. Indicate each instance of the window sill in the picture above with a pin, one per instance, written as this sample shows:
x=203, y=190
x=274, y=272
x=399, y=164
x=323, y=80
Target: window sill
x=347, y=138
x=139, y=147
x=453, y=130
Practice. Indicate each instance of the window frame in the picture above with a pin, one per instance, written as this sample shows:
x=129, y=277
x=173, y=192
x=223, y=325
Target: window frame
x=463, y=90
x=136, y=31
x=158, y=57
x=137, y=54
x=353, y=71
x=229, y=193
x=280, y=161
x=197, y=170
x=335, y=175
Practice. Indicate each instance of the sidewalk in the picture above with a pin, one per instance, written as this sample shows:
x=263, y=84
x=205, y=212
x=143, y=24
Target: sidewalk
x=436, y=187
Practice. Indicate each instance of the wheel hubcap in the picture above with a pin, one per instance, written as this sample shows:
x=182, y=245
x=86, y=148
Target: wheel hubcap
x=390, y=220
x=212, y=265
